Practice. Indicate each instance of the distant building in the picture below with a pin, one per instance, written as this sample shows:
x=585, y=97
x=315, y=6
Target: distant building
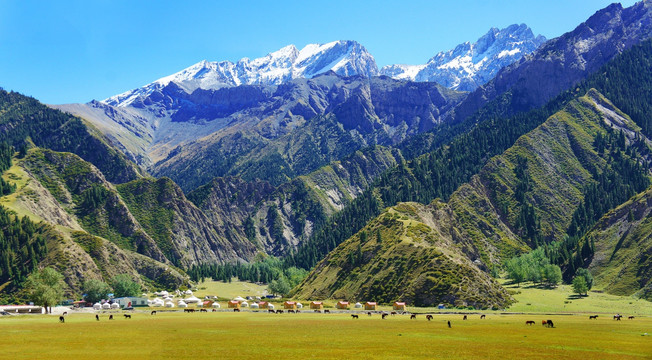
x=316, y=305
x=399, y=306
x=344, y=305
x=290, y=305
x=370, y=305
x=234, y=304
x=263, y=305
x=131, y=301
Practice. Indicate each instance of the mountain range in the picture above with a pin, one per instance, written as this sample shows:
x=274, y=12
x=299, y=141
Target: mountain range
x=385, y=188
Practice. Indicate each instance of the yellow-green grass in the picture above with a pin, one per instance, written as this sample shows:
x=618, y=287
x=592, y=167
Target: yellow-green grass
x=248, y=335
x=563, y=300
x=229, y=290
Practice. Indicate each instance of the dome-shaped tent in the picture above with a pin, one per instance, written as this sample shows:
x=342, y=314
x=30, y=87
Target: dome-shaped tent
x=244, y=304
x=357, y=306
x=270, y=306
x=106, y=306
x=192, y=300
x=216, y=305
x=239, y=298
x=188, y=292
x=254, y=306
x=169, y=304
x=115, y=306
x=182, y=304
x=97, y=306
x=299, y=305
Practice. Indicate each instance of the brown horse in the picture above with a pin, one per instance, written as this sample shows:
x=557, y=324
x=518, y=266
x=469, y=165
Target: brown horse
x=279, y=311
x=593, y=317
x=464, y=318
x=271, y=311
x=290, y=311
x=383, y=316
x=237, y=310
x=369, y=313
x=203, y=310
x=327, y=311
x=393, y=313
x=529, y=322
x=62, y=319
x=413, y=316
x=631, y=318
x=482, y=316
x=354, y=316
x=97, y=317
x=127, y=316
x=550, y=324
x=428, y=317
x=153, y=312
x=111, y=317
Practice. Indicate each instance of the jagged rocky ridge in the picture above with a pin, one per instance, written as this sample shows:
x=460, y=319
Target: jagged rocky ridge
x=470, y=65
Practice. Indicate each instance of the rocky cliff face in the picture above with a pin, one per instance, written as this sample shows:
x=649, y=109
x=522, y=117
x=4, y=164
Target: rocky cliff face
x=564, y=61
x=470, y=65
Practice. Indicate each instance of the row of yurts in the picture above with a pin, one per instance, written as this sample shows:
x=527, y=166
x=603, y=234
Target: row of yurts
x=165, y=299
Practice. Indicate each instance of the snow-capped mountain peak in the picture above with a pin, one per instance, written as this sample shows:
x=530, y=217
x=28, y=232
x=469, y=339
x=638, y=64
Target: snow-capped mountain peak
x=345, y=58
x=470, y=65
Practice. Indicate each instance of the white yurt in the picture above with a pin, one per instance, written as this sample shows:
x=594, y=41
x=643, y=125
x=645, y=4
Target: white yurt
x=244, y=304
x=270, y=306
x=169, y=298
x=188, y=292
x=239, y=298
x=169, y=304
x=182, y=304
x=97, y=306
x=216, y=305
x=192, y=300
x=115, y=306
x=357, y=306
x=254, y=306
x=106, y=306
x=299, y=305
x=157, y=302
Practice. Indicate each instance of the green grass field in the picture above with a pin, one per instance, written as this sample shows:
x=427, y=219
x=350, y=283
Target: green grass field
x=249, y=335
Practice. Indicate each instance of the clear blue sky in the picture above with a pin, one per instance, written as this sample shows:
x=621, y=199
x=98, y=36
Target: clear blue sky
x=76, y=51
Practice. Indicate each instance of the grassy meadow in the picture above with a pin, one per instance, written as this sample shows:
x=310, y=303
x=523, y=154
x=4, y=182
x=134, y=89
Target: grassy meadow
x=248, y=335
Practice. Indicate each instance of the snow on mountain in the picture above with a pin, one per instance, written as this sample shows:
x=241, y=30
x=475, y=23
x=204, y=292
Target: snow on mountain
x=470, y=65
x=345, y=58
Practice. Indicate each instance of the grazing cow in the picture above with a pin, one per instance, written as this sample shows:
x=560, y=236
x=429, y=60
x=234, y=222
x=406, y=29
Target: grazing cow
x=127, y=316
x=550, y=324
x=383, y=316
x=393, y=313
x=318, y=311
x=413, y=316
x=464, y=318
x=631, y=318
x=153, y=312
x=238, y=310
x=214, y=310
x=203, y=310
x=354, y=316
x=543, y=322
x=482, y=316
x=529, y=322
x=279, y=311
x=291, y=311
x=327, y=311
x=271, y=311
x=449, y=323
x=62, y=319
x=369, y=313
x=111, y=317
x=593, y=317
x=297, y=311
x=428, y=317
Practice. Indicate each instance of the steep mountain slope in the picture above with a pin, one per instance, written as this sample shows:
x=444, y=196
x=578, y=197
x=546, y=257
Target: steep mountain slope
x=520, y=199
x=470, y=65
x=23, y=119
x=410, y=253
x=273, y=133
x=278, y=219
x=562, y=62
x=622, y=259
x=345, y=58
x=74, y=252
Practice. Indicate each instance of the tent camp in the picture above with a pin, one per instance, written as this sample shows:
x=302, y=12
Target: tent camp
x=106, y=306
x=192, y=300
x=182, y=304
x=169, y=304
x=357, y=306
x=254, y=305
x=244, y=304
x=343, y=305
x=97, y=306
